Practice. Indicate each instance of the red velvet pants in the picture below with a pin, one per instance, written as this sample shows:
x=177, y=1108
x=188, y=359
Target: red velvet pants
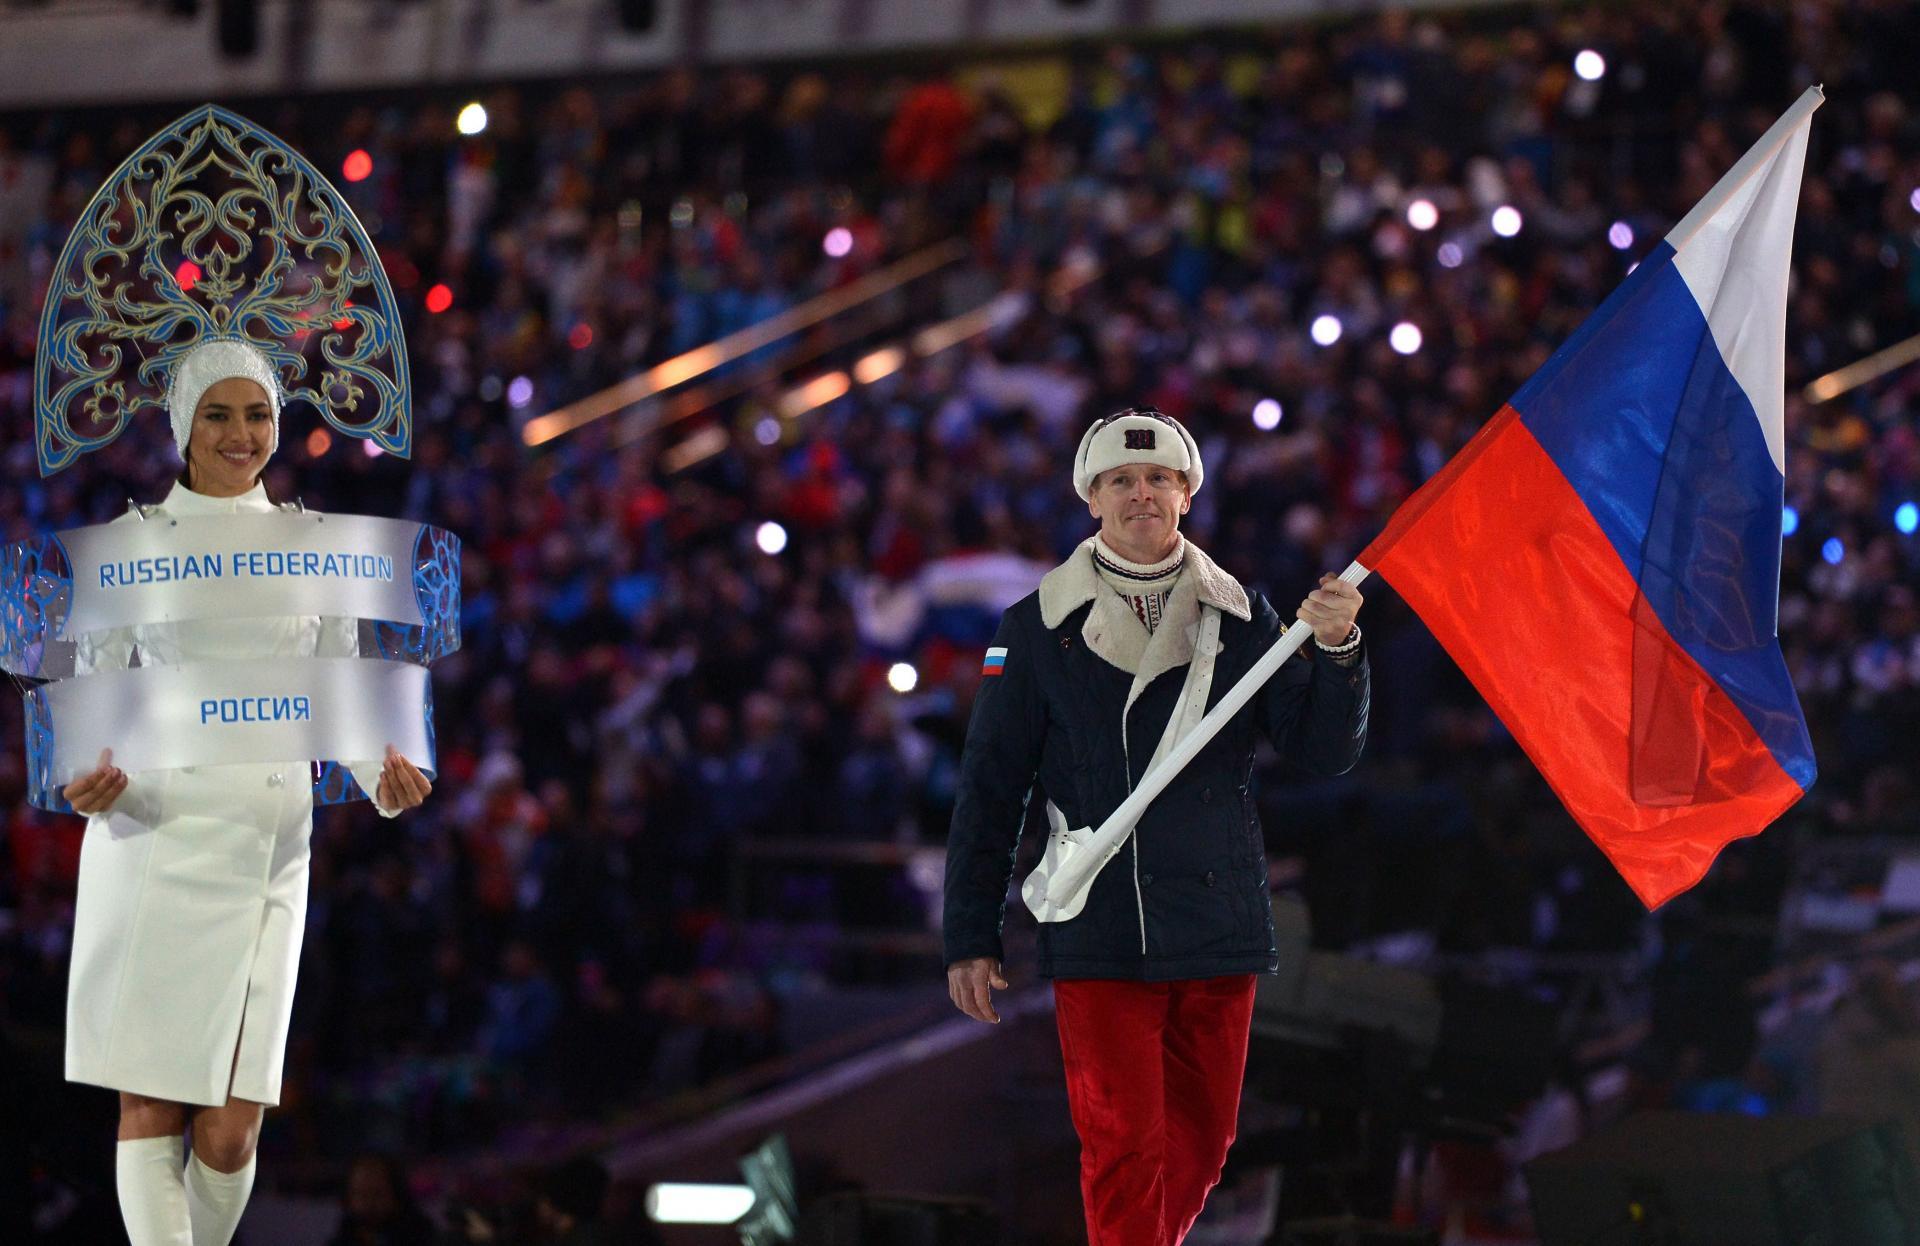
x=1153, y=1081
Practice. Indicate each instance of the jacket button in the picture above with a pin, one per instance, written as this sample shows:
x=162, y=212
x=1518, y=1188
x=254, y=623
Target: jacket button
x=1209, y=878
x=1066, y=642
x=1146, y=880
x=276, y=780
x=1206, y=796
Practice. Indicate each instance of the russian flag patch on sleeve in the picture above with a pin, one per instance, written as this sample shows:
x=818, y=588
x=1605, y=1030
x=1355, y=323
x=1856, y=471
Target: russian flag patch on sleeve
x=996, y=661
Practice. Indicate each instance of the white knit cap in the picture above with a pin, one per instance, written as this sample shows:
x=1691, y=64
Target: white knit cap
x=205, y=366
x=1136, y=435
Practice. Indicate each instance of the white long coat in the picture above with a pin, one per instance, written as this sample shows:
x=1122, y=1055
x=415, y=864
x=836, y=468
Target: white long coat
x=193, y=887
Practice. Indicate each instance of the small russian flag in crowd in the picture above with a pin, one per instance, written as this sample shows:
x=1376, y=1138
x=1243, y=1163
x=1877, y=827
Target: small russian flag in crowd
x=996, y=661
x=1603, y=558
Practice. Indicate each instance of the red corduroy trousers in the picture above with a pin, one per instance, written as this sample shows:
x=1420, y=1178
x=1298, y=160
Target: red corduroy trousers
x=1153, y=1082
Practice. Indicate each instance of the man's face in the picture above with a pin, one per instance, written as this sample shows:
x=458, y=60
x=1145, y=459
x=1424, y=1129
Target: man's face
x=1139, y=507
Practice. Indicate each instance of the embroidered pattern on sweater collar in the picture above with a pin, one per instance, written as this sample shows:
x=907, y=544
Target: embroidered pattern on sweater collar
x=1138, y=577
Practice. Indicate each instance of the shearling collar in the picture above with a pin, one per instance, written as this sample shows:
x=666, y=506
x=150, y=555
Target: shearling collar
x=1075, y=582
x=1115, y=633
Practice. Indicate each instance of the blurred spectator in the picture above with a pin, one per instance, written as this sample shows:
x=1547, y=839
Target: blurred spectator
x=377, y=1208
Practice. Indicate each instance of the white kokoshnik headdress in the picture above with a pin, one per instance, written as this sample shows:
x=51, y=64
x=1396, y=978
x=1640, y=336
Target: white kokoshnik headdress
x=1136, y=435
x=216, y=251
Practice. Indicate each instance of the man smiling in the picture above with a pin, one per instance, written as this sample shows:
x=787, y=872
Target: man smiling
x=1153, y=976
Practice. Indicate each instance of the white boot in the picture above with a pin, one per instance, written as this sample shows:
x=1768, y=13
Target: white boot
x=153, y=1195
x=217, y=1199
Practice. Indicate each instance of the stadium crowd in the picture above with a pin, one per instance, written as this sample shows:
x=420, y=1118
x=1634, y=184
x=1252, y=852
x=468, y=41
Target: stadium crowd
x=643, y=687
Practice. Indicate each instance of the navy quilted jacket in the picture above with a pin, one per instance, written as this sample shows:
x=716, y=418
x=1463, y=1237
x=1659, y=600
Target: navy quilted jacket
x=1187, y=896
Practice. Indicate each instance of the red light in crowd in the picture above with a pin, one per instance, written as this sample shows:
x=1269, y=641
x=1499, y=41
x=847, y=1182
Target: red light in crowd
x=358, y=166
x=581, y=337
x=439, y=299
x=187, y=274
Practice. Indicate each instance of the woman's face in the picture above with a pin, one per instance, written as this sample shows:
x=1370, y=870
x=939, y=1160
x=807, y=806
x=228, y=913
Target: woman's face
x=231, y=438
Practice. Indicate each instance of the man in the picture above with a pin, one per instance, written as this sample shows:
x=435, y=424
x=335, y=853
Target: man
x=1153, y=978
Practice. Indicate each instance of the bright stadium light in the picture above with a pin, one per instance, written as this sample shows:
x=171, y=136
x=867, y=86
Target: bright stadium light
x=472, y=119
x=770, y=537
x=519, y=392
x=1325, y=330
x=1590, y=65
x=1620, y=234
x=1506, y=220
x=902, y=678
x=1833, y=551
x=1422, y=215
x=1906, y=517
x=675, y=1202
x=1405, y=337
x=358, y=166
x=1266, y=414
x=1450, y=255
x=1913, y=200
x=838, y=242
x=1789, y=521
x=767, y=431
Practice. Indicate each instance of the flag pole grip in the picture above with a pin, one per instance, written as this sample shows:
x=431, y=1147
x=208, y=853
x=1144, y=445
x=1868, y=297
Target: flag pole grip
x=1120, y=823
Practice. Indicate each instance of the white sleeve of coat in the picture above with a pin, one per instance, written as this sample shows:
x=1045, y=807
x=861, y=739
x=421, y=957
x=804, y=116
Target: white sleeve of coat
x=340, y=638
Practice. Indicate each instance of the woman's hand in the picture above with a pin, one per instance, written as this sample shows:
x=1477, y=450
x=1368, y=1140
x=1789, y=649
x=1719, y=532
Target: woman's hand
x=402, y=786
x=96, y=791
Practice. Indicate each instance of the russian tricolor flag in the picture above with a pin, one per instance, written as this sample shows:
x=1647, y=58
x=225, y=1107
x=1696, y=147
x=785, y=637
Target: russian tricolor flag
x=1603, y=558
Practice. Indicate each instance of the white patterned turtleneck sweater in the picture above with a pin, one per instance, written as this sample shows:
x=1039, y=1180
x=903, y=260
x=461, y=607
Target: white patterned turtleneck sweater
x=1145, y=586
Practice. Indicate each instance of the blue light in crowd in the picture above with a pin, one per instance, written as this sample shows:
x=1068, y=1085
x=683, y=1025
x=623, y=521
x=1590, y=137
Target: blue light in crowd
x=1906, y=517
x=1833, y=551
x=1789, y=521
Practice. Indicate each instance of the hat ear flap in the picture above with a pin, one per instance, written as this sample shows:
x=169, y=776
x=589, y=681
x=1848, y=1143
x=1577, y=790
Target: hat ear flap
x=1082, y=479
x=1194, y=472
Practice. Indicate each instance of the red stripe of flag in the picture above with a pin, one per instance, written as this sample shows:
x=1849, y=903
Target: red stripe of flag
x=1506, y=566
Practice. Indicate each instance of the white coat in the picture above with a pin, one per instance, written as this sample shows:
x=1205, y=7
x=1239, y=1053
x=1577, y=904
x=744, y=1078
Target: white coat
x=193, y=886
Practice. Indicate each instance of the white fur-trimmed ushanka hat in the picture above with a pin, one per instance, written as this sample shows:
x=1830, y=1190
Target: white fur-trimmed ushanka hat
x=1136, y=435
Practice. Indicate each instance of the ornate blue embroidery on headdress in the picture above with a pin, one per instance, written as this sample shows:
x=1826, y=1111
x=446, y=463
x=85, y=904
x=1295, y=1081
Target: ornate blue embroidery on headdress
x=216, y=229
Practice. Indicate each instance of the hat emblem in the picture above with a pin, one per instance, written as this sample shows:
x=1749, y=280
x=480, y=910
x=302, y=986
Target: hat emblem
x=1139, y=438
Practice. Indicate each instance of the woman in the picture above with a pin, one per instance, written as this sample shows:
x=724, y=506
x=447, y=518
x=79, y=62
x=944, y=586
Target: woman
x=193, y=882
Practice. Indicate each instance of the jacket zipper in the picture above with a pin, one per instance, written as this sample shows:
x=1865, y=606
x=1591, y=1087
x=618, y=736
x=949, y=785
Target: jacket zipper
x=1133, y=840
